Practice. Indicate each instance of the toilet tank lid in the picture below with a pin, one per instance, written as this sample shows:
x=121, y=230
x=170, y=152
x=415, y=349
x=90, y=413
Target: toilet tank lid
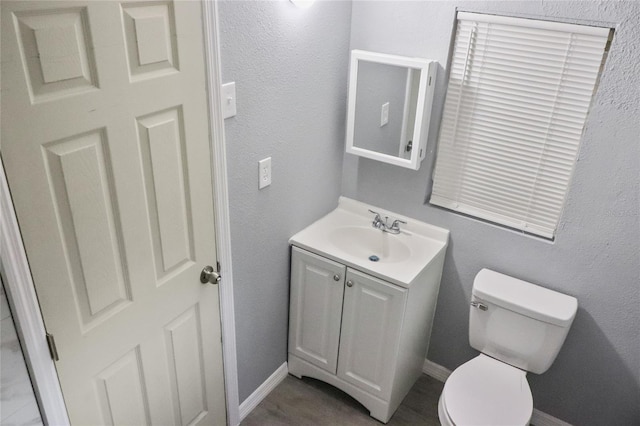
x=525, y=298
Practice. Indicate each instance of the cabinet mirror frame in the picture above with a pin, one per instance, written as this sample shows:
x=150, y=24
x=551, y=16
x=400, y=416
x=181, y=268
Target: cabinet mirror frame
x=428, y=69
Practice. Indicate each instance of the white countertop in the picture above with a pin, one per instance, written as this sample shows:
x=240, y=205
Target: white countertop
x=347, y=236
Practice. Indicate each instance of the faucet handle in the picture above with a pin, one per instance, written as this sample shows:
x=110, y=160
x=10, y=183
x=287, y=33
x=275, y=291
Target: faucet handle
x=395, y=226
x=378, y=223
x=376, y=213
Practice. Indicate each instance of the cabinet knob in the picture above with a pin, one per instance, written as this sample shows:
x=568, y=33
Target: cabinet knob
x=349, y=283
x=336, y=277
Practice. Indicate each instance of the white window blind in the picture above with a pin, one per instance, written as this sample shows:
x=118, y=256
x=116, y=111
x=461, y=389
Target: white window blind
x=518, y=96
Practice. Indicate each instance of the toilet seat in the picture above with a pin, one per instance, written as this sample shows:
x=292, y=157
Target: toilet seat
x=485, y=391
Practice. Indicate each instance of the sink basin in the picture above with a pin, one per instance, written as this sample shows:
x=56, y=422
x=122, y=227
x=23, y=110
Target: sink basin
x=366, y=242
x=347, y=236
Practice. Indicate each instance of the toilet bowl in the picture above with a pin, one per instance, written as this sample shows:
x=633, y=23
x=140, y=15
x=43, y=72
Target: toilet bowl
x=485, y=391
x=518, y=327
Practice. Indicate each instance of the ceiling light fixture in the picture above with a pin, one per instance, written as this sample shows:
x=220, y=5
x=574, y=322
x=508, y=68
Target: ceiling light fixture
x=302, y=4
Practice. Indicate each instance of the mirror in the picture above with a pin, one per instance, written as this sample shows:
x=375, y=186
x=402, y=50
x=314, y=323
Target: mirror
x=389, y=107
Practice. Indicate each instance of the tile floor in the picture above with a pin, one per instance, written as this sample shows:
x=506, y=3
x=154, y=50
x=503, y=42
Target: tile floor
x=18, y=405
x=310, y=402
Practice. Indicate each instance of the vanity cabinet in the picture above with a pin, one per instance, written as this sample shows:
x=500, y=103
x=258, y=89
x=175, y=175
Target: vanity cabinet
x=315, y=315
x=372, y=314
x=357, y=332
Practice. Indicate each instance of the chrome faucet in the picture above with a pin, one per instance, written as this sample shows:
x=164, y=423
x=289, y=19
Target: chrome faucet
x=384, y=226
x=378, y=223
x=395, y=226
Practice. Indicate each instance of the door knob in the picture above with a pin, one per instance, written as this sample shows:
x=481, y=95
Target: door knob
x=208, y=275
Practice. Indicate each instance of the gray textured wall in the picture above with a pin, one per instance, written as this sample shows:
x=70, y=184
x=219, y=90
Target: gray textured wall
x=290, y=68
x=595, y=257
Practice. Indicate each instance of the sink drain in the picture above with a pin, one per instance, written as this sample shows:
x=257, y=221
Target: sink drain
x=374, y=258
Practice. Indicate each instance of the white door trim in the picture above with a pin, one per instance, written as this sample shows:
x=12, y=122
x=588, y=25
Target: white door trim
x=221, y=200
x=26, y=312
x=22, y=291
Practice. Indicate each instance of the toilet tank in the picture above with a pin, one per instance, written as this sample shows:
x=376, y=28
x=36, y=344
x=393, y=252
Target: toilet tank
x=517, y=322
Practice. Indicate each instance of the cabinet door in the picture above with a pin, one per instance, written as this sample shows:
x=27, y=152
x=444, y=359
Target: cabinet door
x=317, y=287
x=371, y=324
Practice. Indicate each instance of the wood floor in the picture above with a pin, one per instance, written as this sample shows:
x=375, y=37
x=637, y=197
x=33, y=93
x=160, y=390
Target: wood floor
x=309, y=402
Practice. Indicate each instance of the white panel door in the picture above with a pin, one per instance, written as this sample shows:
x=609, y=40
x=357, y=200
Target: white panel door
x=371, y=325
x=317, y=287
x=106, y=148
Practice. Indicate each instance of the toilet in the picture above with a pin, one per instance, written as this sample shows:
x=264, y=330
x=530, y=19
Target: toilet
x=518, y=327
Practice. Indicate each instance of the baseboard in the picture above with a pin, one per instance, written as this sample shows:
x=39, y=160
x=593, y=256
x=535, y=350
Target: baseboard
x=543, y=419
x=538, y=418
x=263, y=390
x=436, y=371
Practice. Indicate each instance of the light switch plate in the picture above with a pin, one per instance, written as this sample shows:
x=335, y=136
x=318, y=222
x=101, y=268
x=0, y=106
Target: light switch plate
x=384, y=114
x=264, y=172
x=229, y=99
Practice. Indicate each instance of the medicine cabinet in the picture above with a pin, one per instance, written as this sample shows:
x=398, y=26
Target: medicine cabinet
x=389, y=107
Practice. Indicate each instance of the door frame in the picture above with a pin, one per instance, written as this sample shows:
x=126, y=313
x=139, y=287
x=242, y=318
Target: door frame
x=221, y=204
x=21, y=291
x=22, y=297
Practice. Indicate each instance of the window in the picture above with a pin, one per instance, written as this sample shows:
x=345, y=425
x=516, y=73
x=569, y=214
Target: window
x=517, y=99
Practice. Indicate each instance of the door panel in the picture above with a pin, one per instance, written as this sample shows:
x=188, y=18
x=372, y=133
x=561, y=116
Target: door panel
x=58, y=61
x=78, y=170
x=371, y=323
x=106, y=148
x=162, y=145
x=151, y=49
x=122, y=392
x=316, y=308
x=186, y=366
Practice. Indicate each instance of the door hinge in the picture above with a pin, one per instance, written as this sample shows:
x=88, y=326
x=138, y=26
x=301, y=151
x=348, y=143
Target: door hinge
x=51, y=342
x=218, y=266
